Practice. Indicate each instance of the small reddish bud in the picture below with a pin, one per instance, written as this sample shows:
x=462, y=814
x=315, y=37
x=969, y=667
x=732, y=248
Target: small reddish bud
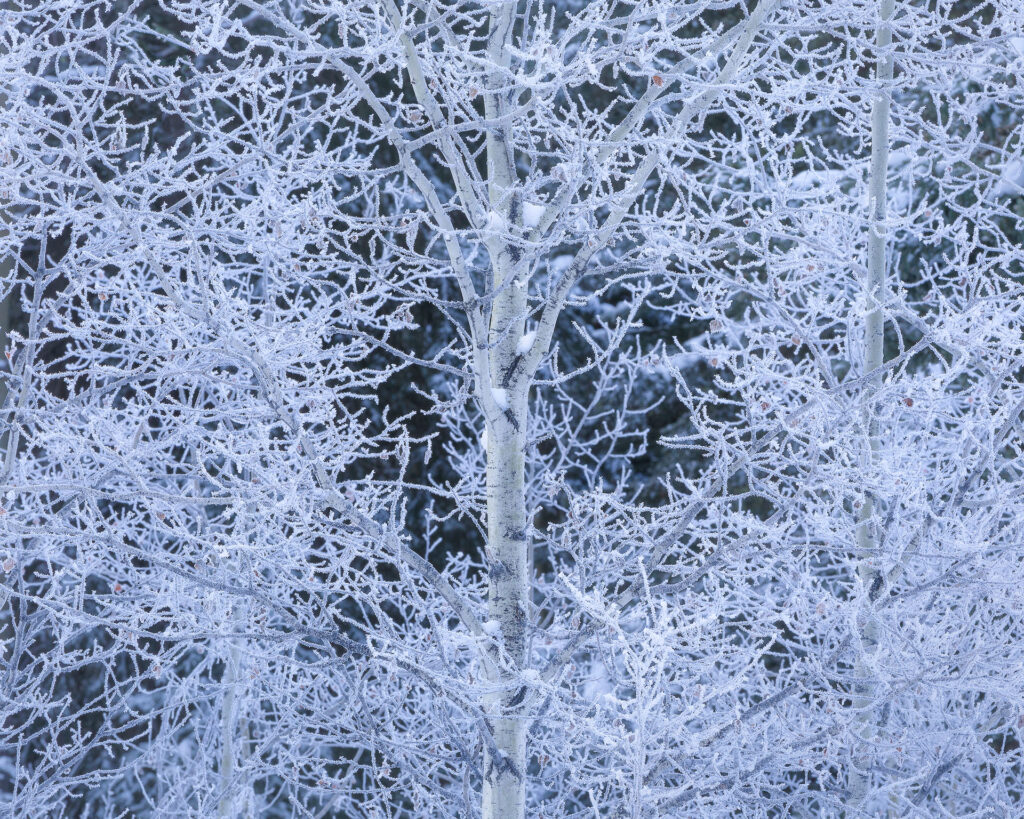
x=908, y=401
x=795, y=341
x=117, y=587
x=764, y=405
x=8, y=563
x=658, y=80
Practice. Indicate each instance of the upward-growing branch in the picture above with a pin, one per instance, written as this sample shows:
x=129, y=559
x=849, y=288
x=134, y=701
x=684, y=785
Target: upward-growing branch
x=745, y=31
x=635, y=184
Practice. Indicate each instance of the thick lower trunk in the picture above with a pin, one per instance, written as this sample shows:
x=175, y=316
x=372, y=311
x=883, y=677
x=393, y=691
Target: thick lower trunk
x=504, y=793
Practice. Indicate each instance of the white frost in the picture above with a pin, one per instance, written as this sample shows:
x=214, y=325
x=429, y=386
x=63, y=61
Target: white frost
x=560, y=264
x=1012, y=181
x=495, y=224
x=526, y=342
x=500, y=397
x=532, y=213
x=491, y=627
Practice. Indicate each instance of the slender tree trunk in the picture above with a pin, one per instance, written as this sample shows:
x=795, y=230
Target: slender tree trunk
x=227, y=733
x=504, y=793
x=508, y=538
x=508, y=535
x=508, y=550
x=874, y=336
x=6, y=266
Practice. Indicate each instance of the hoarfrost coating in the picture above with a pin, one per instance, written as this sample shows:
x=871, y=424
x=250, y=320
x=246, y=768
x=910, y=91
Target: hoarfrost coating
x=511, y=409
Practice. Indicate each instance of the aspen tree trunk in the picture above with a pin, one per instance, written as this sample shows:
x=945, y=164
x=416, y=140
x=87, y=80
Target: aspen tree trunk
x=504, y=787
x=508, y=550
x=234, y=730
x=236, y=800
x=508, y=541
x=504, y=793
x=874, y=335
x=508, y=536
x=228, y=713
x=6, y=266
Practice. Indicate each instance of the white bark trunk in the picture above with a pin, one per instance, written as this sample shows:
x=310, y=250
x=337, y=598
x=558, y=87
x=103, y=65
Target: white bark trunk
x=508, y=543
x=874, y=335
x=508, y=548
x=508, y=535
x=234, y=734
x=504, y=794
x=227, y=733
x=6, y=266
